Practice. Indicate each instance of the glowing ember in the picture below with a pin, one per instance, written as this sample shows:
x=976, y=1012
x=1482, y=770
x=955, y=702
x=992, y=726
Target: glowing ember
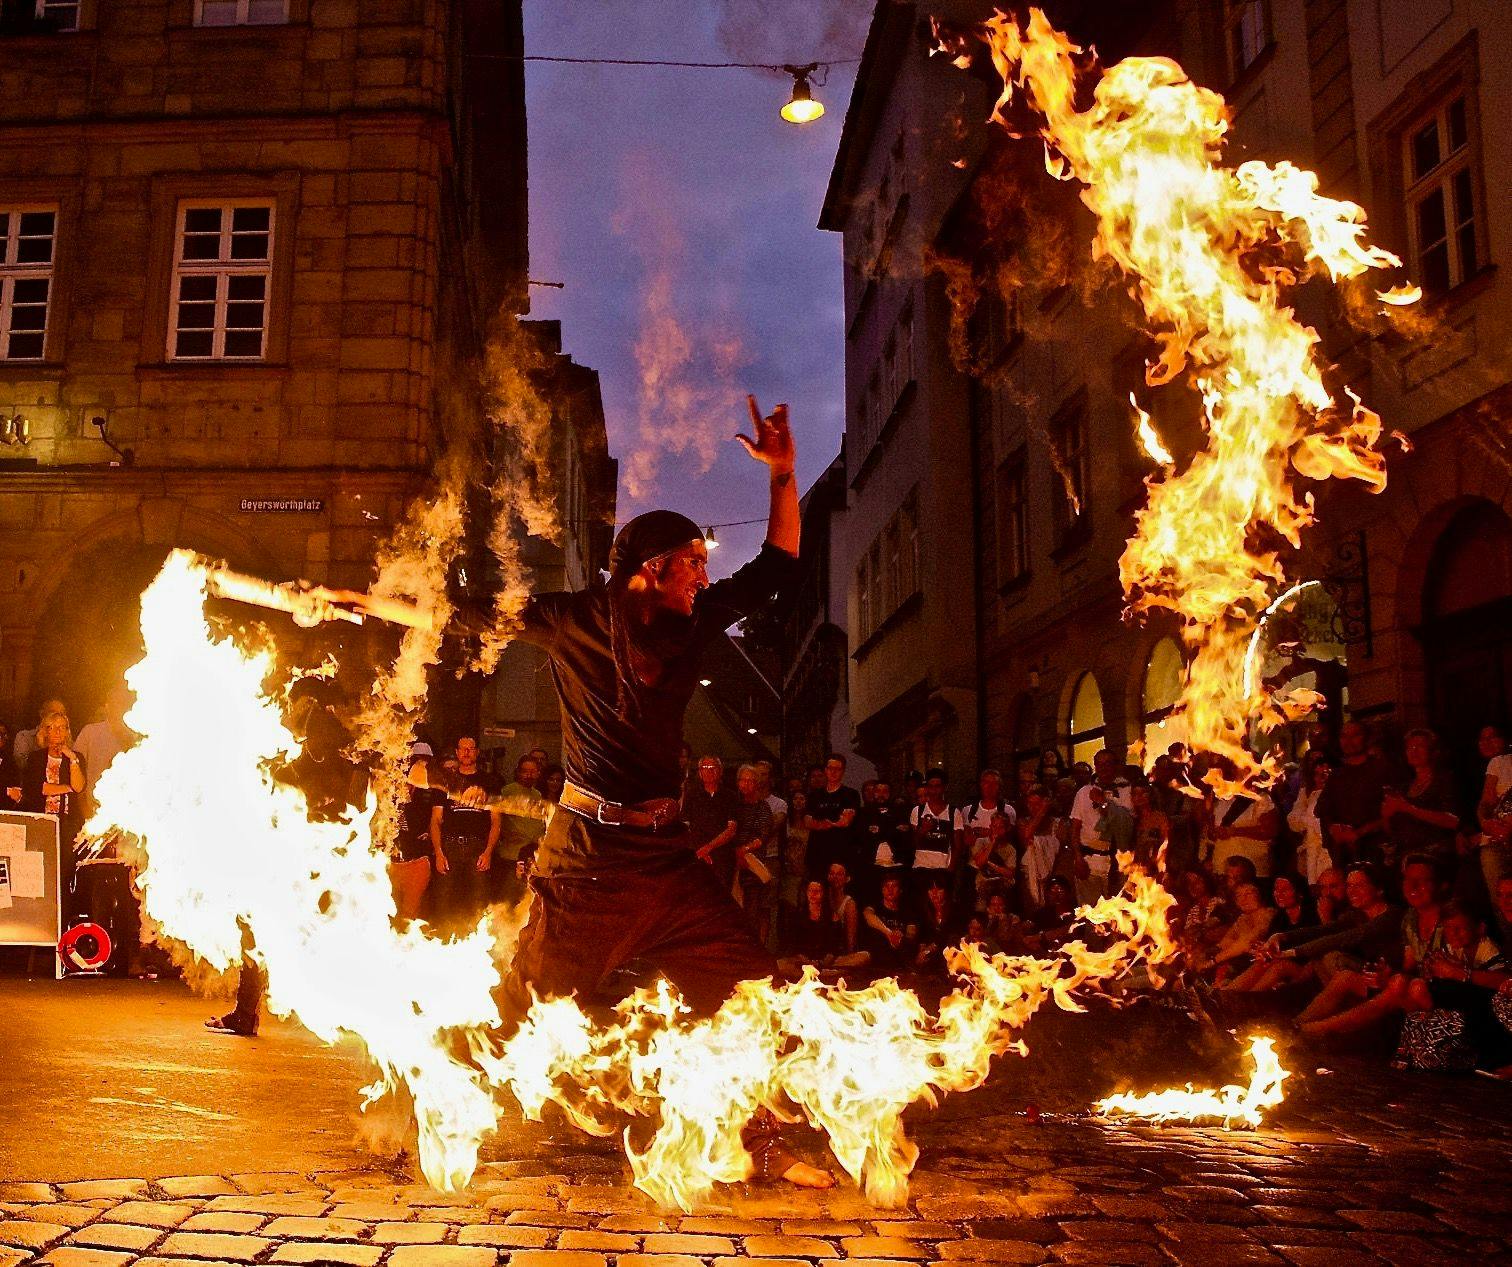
x=1201, y=245
x=1227, y=1104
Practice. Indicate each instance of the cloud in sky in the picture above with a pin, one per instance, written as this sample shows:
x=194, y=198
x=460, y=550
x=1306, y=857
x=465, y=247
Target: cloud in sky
x=681, y=211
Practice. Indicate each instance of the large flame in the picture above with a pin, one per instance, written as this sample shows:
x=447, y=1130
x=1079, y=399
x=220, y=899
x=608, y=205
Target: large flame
x=1213, y=254
x=1228, y=1104
x=225, y=844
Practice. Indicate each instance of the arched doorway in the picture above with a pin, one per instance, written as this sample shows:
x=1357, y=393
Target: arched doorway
x=1085, y=728
x=1161, y=688
x=1467, y=632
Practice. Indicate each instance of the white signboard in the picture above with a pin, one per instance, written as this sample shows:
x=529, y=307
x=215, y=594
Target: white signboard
x=31, y=913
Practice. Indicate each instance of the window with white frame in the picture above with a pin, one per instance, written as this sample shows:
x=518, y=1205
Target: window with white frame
x=60, y=15
x=1443, y=219
x=240, y=12
x=222, y=272
x=27, y=240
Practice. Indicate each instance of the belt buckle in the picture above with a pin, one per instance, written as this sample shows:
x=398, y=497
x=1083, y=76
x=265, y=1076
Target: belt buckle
x=609, y=822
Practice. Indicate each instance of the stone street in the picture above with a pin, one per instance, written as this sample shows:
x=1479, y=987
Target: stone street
x=1360, y=1165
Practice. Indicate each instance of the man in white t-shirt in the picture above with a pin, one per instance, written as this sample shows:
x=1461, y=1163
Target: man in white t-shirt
x=933, y=823
x=973, y=830
x=1091, y=840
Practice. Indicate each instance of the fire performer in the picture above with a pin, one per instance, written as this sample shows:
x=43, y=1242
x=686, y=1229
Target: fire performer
x=616, y=876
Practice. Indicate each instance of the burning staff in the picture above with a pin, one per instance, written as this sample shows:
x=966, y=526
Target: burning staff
x=311, y=605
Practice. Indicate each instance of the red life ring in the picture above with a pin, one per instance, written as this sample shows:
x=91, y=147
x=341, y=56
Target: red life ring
x=85, y=947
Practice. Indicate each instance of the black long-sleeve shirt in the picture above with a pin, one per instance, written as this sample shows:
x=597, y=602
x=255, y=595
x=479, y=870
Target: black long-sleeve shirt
x=618, y=759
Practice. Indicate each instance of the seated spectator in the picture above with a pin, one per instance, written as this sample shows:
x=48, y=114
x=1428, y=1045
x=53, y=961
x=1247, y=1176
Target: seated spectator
x=1237, y=869
x=977, y=935
x=1355, y=998
x=842, y=907
x=1495, y=813
x=1197, y=915
x=813, y=937
x=1313, y=857
x=1005, y=929
x=1293, y=903
x=1332, y=899
x=1251, y=923
x=1368, y=932
x=1465, y=979
x=937, y=927
x=891, y=937
x=1052, y=922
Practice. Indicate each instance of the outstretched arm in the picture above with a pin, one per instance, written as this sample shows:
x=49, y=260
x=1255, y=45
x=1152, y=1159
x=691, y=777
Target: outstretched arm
x=773, y=445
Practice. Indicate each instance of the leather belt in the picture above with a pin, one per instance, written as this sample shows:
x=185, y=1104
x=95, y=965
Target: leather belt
x=645, y=816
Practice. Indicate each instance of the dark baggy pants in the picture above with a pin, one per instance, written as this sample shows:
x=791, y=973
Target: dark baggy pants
x=251, y=986
x=610, y=896
x=616, y=902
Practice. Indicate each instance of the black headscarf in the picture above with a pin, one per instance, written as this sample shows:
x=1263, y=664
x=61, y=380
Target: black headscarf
x=645, y=538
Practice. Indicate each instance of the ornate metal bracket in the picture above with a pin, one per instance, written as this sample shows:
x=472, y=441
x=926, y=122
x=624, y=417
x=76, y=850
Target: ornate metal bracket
x=1346, y=580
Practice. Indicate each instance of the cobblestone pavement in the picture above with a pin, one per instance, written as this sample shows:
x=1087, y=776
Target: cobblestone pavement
x=1360, y=1166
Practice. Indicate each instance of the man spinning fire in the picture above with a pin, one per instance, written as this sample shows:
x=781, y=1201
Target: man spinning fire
x=615, y=876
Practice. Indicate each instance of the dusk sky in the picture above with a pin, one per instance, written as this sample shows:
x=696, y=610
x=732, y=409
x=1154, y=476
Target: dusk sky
x=681, y=213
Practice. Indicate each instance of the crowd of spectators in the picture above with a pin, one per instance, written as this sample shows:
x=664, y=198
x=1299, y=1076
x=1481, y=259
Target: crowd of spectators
x=1358, y=899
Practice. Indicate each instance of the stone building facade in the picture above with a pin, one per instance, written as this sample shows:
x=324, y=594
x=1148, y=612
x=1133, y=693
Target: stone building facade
x=267, y=237
x=1398, y=108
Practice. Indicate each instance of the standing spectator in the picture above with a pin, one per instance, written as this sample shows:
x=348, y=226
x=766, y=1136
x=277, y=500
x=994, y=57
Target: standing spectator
x=911, y=795
x=795, y=853
x=1096, y=832
x=100, y=742
x=995, y=865
x=553, y=780
x=1052, y=766
x=463, y=840
x=709, y=810
x=10, y=773
x=1244, y=824
x=883, y=839
x=832, y=811
x=517, y=832
x=933, y=825
x=53, y=783
x=26, y=741
x=1313, y=857
x=410, y=870
x=776, y=805
x=1349, y=807
x=755, y=853
x=815, y=779
x=1043, y=837
x=1152, y=829
x=1420, y=818
x=973, y=834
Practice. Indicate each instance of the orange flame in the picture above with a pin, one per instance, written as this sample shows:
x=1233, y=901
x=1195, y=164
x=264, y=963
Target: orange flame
x=1190, y=234
x=1228, y=1104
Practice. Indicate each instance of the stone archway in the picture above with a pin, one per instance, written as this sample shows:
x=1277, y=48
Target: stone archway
x=1466, y=630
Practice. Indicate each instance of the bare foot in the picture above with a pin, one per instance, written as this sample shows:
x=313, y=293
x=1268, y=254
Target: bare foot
x=802, y=1175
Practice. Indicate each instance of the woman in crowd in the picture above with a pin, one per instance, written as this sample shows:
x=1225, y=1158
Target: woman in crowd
x=53, y=783
x=1293, y=903
x=1251, y=923
x=842, y=906
x=1420, y=818
x=1152, y=829
x=1369, y=931
x=1312, y=851
x=794, y=853
x=1465, y=978
x=1495, y=811
x=1196, y=914
x=1052, y=767
x=813, y=935
x=937, y=927
x=553, y=780
x=1357, y=997
x=410, y=869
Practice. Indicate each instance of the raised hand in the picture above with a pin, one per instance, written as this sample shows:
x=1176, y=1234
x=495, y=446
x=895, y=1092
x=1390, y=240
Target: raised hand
x=773, y=441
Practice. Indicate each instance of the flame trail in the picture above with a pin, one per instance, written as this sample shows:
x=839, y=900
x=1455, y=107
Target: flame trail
x=225, y=843
x=1200, y=242
x=1228, y=1104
